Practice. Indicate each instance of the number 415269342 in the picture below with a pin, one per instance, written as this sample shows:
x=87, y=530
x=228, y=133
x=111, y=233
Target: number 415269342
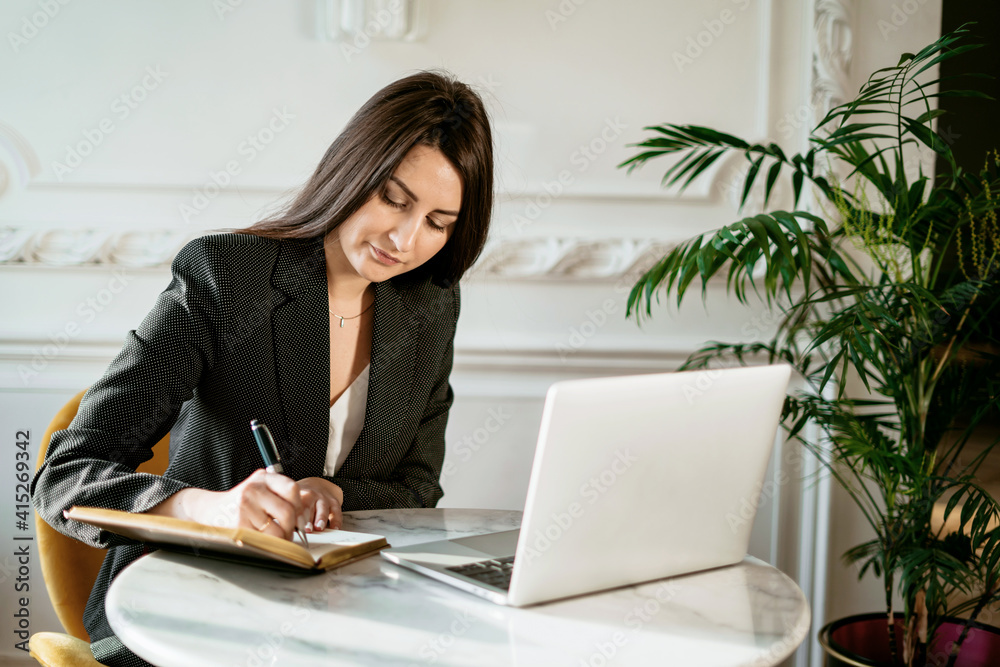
x=22, y=496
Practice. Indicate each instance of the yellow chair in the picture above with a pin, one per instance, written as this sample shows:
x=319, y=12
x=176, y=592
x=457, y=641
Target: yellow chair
x=70, y=567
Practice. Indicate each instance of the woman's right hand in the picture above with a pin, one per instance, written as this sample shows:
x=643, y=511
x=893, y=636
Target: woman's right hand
x=268, y=502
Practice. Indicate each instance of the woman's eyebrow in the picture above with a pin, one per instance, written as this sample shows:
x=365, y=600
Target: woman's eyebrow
x=414, y=197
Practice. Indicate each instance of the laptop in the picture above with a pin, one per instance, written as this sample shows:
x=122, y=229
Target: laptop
x=635, y=478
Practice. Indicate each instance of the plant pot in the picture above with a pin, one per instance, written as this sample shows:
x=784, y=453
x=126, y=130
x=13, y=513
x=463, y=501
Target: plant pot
x=860, y=641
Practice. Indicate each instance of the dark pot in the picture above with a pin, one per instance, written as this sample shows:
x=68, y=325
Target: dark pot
x=860, y=641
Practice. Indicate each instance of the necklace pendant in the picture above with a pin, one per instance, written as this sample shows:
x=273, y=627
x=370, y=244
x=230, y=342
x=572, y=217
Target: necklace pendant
x=341, y=322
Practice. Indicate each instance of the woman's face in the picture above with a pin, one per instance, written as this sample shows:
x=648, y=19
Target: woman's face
x=401, y=228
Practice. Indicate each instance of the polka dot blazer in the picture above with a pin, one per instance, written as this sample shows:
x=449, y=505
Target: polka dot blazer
x=241, y=333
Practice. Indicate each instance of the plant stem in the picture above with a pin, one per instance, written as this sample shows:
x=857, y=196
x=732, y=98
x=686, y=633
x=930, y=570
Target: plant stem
x=891, y=625
x=951, y=343
x=965, y=630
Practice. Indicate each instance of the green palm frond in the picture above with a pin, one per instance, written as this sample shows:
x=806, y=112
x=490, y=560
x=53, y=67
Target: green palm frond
x=776, y=240
x=900, y=289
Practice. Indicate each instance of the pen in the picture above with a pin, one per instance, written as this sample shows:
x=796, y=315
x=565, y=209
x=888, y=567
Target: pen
x=269, y=452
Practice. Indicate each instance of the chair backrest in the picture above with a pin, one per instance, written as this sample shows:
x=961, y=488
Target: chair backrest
x=69, y=566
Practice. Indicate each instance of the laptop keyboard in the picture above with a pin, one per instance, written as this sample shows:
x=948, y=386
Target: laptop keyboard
x=494, y=572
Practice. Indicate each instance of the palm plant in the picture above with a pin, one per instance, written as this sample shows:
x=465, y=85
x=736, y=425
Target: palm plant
x=892, y=279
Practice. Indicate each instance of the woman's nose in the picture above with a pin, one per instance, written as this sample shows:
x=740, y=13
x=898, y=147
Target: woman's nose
x=404, y=236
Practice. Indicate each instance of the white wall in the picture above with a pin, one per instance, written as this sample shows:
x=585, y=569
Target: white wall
x=569, y=84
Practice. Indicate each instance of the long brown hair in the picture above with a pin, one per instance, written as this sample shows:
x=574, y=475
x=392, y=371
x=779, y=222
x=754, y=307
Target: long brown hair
x=428, y=108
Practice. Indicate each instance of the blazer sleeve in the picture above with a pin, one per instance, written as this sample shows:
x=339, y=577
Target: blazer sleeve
x=132, y=407
x=415, y=482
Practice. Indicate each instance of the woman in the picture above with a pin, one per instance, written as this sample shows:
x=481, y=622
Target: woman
x=332, y=323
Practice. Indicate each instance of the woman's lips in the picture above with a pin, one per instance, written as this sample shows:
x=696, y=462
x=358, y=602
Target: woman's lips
x=383, y=257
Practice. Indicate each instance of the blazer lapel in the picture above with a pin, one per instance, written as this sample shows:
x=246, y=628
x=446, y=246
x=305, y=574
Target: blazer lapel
x=301, y=338
x=395, y=337
x=301, y=335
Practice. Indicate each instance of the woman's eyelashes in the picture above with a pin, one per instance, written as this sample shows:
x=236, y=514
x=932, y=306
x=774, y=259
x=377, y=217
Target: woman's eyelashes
x=395, y=204
x=390, y=202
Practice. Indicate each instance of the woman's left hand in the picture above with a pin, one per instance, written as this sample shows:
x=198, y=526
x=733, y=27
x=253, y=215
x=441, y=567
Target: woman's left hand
x=325, y=500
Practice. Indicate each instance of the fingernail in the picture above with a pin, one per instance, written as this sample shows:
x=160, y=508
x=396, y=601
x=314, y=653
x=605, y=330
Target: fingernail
x=309, y=525
x=319, y=524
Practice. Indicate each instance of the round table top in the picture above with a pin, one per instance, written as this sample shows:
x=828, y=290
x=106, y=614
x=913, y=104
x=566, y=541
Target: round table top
x=181, y=610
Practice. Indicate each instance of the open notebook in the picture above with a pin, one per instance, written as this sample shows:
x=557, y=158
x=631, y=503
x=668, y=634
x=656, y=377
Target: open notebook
x=327, y=550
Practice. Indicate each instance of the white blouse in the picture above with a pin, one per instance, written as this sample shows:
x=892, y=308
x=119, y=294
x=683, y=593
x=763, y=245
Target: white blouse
x=347, y=416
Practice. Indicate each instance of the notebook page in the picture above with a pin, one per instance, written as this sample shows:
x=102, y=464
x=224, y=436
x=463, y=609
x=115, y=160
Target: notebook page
x=328, y=540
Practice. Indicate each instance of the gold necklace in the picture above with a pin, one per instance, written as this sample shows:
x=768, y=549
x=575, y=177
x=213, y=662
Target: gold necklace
x=342, y=317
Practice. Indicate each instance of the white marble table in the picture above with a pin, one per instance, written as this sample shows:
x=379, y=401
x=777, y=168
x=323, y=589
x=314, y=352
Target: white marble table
x=183, y=611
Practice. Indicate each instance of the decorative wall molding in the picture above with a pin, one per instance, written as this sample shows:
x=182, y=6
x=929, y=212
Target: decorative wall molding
x=81, y=247
x=569, y=258
x=833, y=51
x=535, y=258
x=18, y=161
x=360, y=21
x=829, y=85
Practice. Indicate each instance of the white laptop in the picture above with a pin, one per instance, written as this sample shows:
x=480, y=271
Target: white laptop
x=635, y=478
